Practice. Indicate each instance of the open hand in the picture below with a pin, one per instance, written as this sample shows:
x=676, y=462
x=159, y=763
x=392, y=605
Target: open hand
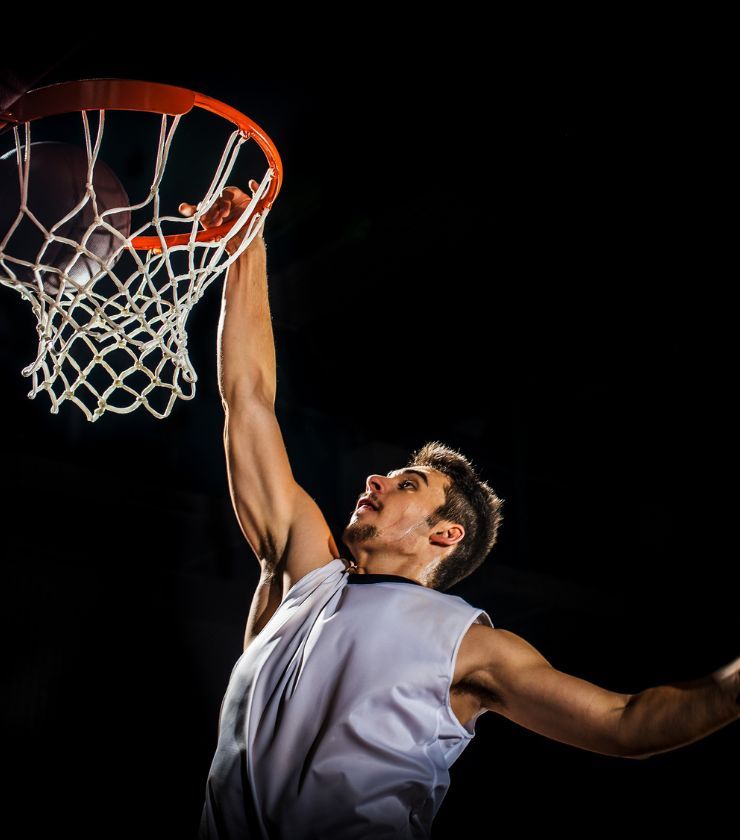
x=227, y=207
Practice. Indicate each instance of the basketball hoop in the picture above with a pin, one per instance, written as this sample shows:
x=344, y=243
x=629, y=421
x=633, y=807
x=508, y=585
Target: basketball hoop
x=126, y=326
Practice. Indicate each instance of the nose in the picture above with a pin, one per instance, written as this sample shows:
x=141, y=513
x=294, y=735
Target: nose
x=375, y=483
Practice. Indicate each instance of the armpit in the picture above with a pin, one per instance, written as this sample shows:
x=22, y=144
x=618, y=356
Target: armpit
x=487, y=698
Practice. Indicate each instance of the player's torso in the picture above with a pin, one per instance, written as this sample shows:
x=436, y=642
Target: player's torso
x=466, y=697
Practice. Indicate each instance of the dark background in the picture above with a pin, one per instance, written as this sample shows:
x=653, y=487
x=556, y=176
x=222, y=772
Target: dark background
x=536, y=276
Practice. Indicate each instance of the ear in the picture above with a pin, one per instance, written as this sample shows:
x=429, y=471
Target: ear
x=446, y=534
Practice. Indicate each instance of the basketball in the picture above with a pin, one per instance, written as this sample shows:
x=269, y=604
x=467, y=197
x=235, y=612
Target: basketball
x=56, y=185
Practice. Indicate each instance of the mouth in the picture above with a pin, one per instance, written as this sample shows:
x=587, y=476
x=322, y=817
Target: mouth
x=366, y=504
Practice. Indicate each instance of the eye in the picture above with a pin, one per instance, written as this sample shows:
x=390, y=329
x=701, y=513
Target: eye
x=406, y=481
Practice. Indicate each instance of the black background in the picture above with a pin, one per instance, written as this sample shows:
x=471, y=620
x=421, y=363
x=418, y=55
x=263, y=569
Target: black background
x=538, y=278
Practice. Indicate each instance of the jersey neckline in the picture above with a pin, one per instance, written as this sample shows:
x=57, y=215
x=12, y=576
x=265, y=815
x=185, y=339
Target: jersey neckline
x=353, y=577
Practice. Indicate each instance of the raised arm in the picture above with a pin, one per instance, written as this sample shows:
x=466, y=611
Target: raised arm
x=521, y=685
x=281, y=522
x=261, y=483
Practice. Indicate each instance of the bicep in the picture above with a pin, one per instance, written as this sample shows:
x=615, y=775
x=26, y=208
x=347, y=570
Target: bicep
x=543, y=699
x=281, y=521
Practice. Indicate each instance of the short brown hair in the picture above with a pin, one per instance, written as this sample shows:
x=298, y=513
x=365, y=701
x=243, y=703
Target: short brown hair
x=470, y=502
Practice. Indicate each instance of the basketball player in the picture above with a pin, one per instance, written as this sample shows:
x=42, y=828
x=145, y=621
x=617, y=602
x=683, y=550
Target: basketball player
x=360, y=680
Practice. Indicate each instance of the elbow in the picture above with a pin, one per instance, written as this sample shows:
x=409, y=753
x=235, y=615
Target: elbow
x=630, y=746
x=243, y=398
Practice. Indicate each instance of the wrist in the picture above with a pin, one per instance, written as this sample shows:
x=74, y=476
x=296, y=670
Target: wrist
x=256, y=246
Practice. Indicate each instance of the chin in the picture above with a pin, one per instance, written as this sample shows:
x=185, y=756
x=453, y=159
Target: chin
x=358, y=532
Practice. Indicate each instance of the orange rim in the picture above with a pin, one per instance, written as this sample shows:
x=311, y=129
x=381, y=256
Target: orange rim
x=156, y=98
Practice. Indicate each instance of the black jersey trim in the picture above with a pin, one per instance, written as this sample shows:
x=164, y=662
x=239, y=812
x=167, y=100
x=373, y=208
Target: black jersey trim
x=353, y=577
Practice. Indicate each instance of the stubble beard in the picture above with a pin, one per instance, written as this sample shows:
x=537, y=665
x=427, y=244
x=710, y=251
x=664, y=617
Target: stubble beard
x=359, y=532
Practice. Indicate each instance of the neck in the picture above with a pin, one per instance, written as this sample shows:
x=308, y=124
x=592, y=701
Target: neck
x=369, y=568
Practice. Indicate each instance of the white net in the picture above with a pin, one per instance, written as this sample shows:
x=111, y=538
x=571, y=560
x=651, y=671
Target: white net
x=113, y=340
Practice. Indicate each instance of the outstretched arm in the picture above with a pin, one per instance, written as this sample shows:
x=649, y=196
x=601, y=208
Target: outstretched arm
x=521, y=685
x=515, y=680
x=665, y=717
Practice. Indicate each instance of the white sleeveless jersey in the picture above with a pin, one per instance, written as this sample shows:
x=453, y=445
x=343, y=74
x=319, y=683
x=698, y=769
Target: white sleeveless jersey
x=336, y=722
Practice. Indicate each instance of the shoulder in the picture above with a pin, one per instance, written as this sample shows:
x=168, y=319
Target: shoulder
x=488, y=645
x=485, y=648
x=490, y=656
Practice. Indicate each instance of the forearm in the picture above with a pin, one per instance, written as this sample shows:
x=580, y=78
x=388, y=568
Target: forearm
x=666, y=717
x=246, y=345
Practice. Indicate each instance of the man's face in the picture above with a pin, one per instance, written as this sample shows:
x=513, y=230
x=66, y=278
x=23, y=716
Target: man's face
x=396, y=510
